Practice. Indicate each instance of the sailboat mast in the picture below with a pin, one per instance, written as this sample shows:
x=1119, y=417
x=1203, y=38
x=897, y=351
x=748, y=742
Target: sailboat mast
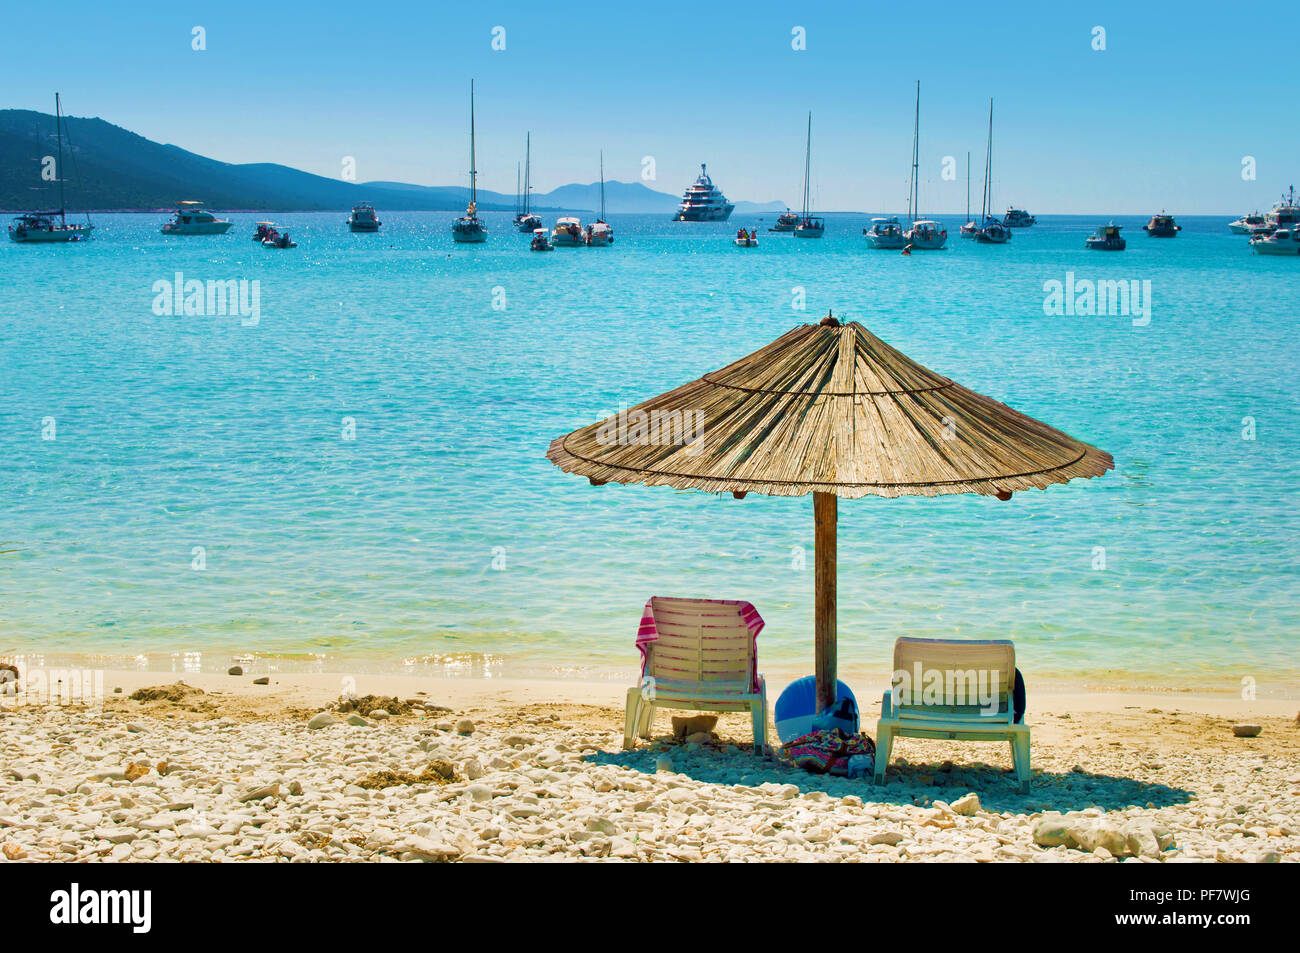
x=914, y=186
x=602, y=186
x=58, y=171
x=990, y=155
x=528, y=168
x=516, y=189
x=473, y=173
x=807, y=166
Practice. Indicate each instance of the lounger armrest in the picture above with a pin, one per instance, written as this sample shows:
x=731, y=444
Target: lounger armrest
x=887, y=705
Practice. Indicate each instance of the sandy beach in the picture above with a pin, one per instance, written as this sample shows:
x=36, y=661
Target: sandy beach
x=222, y=769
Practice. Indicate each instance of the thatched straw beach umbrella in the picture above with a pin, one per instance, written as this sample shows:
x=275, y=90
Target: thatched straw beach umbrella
x=831, y=410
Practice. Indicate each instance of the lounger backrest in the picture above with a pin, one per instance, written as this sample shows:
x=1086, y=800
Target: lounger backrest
x=700, y=643
x=950, y=677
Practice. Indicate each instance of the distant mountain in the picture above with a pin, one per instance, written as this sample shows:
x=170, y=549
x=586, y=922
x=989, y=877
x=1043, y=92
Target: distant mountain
x=121, y=170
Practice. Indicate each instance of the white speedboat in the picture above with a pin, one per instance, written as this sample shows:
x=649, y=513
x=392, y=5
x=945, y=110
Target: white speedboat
x=703, y=202
x=468, y=229
x=1284, y=240
x=568, y=232
x=193, y=219
x=364, y=219
x=41, y=227
x=1018, y=218
x=924, y=234
x=1248, y=223
x=885, y=233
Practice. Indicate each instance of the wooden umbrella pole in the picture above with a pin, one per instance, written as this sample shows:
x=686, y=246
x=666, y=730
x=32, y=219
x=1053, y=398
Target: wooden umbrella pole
x=824, y=517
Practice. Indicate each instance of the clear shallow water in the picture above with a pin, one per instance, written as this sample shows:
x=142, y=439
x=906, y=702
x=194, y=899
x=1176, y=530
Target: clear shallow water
x=441, y=539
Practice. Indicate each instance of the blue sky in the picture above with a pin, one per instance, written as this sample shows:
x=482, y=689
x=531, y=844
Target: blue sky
x=1161, y=118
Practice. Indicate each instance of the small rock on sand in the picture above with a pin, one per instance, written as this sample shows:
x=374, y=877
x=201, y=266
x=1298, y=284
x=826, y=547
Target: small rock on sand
x=322, y=720
x=235, y=670
x=892, y=838
x=968, y=805
x=1246, y=730
x=464, y=727
x=264, y=680
x=355, y=719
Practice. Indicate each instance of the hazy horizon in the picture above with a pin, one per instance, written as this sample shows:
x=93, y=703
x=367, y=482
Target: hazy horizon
x=1136, y=127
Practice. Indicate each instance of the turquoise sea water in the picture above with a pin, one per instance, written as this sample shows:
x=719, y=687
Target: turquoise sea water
x=440, y=538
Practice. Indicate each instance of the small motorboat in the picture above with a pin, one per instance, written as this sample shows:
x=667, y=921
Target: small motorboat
x=1248, y=223
x=363, y=218
x=885, y=233
x=926, y=235
x=1018, y=218
x=1284, y=240
x=540, y=242
x=600, y=234
x=263, y=231
x=1162, y=226
x=568, y=232
x=1106, y=238
x=785, y=222
x=193, y=219
x=746, y=239
x=993, y=232
x=279, y=240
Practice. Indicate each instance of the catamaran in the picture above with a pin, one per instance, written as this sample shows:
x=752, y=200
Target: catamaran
x=468, y=228
x=41, y=226
x=599, y=232
x=992, y=231
x=809, y=226
x=925, y=234
x=525, y=220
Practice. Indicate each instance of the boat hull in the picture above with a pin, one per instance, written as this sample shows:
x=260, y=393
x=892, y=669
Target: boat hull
x=1289, y=249
x=746, y=242
x=599, y=241
x=886, y=242
x=1107, y=245
x=57, y=236
x=469, y=238
x=715, y=214
x=805, y=232
x=363, y=226
x=198, y=228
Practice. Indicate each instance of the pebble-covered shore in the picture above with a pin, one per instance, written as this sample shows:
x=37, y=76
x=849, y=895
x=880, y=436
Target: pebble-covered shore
x=178, y=779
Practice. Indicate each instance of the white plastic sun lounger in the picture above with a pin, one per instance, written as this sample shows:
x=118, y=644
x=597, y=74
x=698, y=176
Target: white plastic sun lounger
x=952, y=708
x=702, y=658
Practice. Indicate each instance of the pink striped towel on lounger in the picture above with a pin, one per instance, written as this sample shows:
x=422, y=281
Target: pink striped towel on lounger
x=648, y=631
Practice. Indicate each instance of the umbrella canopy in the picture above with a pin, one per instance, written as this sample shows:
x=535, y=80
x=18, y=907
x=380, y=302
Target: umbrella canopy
x=832, y=410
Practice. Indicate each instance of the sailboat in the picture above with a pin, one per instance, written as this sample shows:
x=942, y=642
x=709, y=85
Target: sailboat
x=991, y=230
x=41, y=226
x=468, y=228
x=971, y=227
x=925, y=234
x=599, y=232
x=525, y=220
x=809, y=226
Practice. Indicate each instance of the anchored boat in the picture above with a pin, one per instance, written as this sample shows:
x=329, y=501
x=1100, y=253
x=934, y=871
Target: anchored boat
x=468, y=229
x=809, y=226
x=1162, y=226
x=568, y=232
x=1282, y=241
x=600, y=232
x=991, y=231
x=746, y=239
x=1018, y=218
x=885, y=233
x=193, y=219
x=363, y=218
x=925, y=234
x=41, y=227
x=1106, y=238
x=540, y=242
x=525, y=220
x=703, y=202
